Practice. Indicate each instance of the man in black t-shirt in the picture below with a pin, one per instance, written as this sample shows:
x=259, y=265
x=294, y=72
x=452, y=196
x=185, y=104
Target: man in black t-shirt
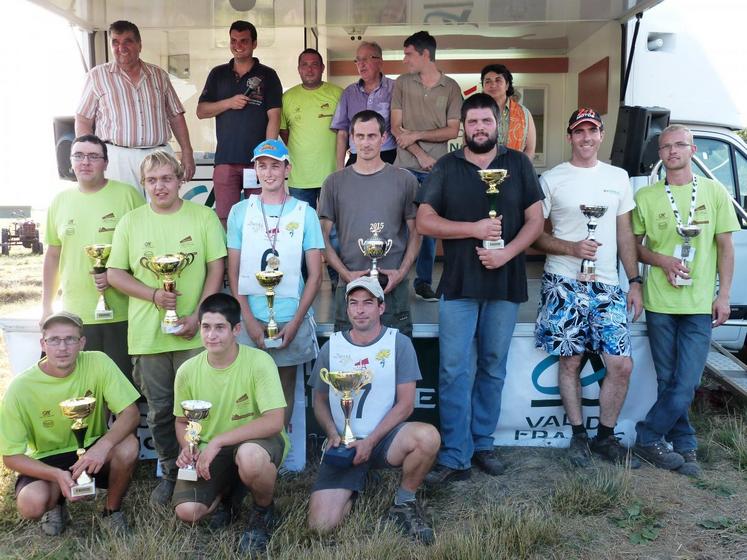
x=481, y=288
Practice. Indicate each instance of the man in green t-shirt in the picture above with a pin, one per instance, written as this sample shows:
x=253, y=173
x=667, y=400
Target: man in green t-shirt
x=36, y=439
x=167, y=225
x=679, y=291
x=86, y=214
x=242, y=441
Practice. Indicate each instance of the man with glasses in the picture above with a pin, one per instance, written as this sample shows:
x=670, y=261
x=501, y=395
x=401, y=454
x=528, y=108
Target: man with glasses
x=373, y=91
x=132, y=106
x=244, y=96
x=36, y=440
x=82, y=215
x=678, y=294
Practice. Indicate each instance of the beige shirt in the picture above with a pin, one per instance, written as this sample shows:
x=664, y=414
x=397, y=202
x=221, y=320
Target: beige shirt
x=425, y=109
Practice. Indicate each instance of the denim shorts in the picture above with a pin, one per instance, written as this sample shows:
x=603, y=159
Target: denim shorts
x=577, y=317
x=303, y=348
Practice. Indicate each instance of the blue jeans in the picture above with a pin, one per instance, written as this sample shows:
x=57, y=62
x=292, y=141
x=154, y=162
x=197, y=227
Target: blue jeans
x=475, y=335
x=311, y=196
x=679, y=348
x=427, y=255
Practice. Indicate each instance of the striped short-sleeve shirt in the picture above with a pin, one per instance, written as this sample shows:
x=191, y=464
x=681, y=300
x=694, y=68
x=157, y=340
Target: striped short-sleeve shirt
x=127, y=114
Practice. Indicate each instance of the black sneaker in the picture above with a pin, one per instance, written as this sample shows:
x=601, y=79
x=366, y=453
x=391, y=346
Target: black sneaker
x=579, y=453
x=488, y=462
x=425, y=292
x=409, y=518
x=658, y=454
x=690, y=467
x=161, y=494
x=257, y=535
x=611, y=450
x=441, y=474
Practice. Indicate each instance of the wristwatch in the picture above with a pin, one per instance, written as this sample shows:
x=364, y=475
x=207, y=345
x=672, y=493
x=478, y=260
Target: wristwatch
x=636, y=279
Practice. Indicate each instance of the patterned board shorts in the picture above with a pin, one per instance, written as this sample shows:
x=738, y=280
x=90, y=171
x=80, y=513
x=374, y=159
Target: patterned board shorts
x=575, y=317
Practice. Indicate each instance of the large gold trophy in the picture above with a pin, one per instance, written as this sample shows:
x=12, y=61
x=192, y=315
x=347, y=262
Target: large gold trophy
x=168, y=268
x=78, y=410
x=346, y=384
x=687, y=233
x=100, y=253
x=269, y=278
x=492, y=178
x=194, y=411
x=588, y=271
x=375, y=248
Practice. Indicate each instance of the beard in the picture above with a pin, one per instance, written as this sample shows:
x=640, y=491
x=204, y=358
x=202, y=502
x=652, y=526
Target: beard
x=481, y=147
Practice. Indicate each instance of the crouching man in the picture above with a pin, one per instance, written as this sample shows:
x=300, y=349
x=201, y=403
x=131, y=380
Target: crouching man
x=380, y=411
x=242, y=441
x=36, y=440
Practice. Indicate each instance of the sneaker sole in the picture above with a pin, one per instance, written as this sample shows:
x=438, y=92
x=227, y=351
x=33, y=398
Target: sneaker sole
x=426, y=299
x=658, y=464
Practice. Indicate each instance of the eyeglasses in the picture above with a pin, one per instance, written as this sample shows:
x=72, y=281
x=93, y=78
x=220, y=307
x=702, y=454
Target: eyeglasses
x=89, y=157
x=57, y=341
x=677, y=146
x=362, y=59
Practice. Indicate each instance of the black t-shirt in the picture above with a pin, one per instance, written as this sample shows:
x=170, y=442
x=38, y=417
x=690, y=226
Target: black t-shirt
x=456, y=193
x=240, y=131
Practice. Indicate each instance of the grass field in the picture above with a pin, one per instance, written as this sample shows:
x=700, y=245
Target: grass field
x=541, y=508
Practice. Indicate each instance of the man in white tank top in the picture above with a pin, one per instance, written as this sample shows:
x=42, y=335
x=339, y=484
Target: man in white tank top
x=378, y=416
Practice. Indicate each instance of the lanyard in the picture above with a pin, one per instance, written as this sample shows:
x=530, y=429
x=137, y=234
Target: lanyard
x=693, y=196
x=272, y=262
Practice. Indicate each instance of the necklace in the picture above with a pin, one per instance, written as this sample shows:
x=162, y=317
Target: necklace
x=273, y=262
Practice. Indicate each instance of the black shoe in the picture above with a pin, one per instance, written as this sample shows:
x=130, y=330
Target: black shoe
x=658, y=454
x=488, y=462
x=229, y=508
x=441, y=474
x=409, y=518
x=425, y=292
x=579, y=453
x=611, y=450
x=161, y=494
x=690, y=467
x=257, y=535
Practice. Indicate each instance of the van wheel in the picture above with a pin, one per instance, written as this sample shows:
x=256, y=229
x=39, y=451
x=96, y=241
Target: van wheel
x=37, y=248
x=6, y=249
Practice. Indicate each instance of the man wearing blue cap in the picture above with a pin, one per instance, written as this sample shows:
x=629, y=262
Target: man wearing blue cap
x=275, y=231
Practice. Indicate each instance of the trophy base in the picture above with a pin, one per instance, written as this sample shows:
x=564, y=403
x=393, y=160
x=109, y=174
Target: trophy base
x=170, y=328
x=340, y=457
x=679, y=281
x=273, y=342
x=493, y=244
x=80, y=490
x=586, y=276
x=187, y=474
x=103, y=315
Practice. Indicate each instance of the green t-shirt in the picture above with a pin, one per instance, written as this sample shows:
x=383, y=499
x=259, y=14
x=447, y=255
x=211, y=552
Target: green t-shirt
x=653, y=217
x=239, y=393
x=142, y=232
x=307, y=115
x=76, y=219
x=31, y=421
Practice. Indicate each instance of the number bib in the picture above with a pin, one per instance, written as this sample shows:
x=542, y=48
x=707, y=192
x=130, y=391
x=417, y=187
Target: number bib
x=376, y=399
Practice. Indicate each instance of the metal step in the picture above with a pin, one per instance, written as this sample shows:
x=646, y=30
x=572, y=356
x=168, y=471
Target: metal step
x=727, y=369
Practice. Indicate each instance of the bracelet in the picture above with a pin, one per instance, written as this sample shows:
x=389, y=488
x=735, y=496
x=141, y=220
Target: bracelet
x=153, y=299
x=635, y=279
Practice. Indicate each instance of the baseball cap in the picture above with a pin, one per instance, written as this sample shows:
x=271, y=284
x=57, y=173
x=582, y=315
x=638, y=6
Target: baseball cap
x=274, y=149
x=584, y=114
x=368, y=283
x=63, y=317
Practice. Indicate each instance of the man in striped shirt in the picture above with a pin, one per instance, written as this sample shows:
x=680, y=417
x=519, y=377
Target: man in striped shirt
x=133, y=107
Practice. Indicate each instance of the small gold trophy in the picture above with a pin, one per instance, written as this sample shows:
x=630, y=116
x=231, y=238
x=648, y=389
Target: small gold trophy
x=375, y=247
x=589, y=268
x=346, y=384
x=269, y=279
x=492, y=178
x=78, y=410
x=100, y=253
x=686, y=233
x=168, y=268
x=194, y=411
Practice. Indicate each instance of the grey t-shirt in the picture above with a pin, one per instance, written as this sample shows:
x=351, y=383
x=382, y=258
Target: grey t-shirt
x=406, y=365
x=354, y=201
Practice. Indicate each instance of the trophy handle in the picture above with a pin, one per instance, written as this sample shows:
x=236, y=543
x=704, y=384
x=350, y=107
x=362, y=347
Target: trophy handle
x=188, y=259
x=324, y=374
x=145, y=263
x=388, y=246
x=365, y=380
x=360, y=246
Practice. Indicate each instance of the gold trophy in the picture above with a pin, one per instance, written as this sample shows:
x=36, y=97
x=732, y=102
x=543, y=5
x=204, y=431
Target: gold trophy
x=168, y=268
x=492, y=178
x=375, y=248
x=589, y=268
x=194, y=411
x=346, y=384
x=269, y=279
x=100, y=253
x=686, y=233
x=78, y=410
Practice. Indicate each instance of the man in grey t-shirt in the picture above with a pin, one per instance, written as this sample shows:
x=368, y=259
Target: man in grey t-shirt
x=353, y=199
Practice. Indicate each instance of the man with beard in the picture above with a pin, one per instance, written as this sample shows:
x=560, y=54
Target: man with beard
x=481, y=288
x=581, y=312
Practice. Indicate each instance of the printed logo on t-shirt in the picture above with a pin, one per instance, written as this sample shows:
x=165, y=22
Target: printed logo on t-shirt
x=291, y=227
x=47, y=421
x=325, y=107
x=243, y=408
x=186, y=244
x=382, y=356
x=70, y=227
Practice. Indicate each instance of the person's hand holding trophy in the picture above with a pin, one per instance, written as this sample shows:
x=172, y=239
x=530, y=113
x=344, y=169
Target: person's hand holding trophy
x=99, y=253
x=493, y=179
x=269, y=278
x=78, y=409
x=588, y=272
x=376, y=248
x=194, y=411
x=168, y=268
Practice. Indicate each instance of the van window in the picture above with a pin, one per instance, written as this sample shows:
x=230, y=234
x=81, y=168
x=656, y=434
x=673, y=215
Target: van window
x=716, y=155
x=741, y=162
